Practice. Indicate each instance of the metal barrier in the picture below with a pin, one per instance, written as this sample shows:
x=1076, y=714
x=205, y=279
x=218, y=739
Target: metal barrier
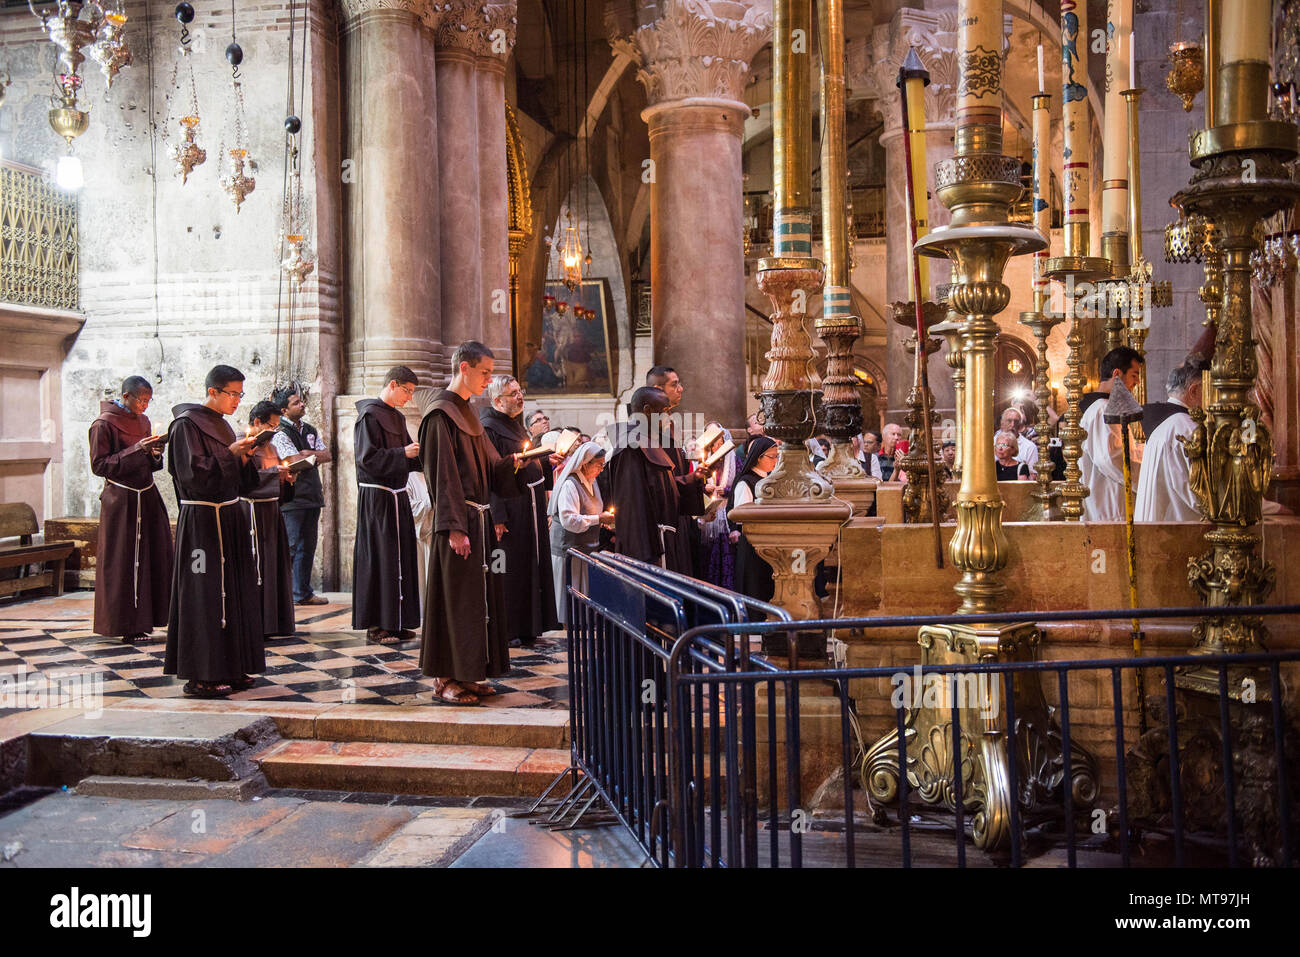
x=696, y=742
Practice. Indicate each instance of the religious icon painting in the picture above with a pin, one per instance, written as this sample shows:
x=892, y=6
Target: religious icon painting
x=573, y=356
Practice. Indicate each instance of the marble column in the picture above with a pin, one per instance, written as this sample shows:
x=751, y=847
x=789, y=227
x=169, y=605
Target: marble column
x=390, y=192
x=458, y=39
x=391, y=223
x=494, y=241
x=934, y=38
x=694, y=63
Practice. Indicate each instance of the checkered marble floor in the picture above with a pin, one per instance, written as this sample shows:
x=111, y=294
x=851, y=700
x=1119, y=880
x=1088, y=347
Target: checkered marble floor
x=323, y=661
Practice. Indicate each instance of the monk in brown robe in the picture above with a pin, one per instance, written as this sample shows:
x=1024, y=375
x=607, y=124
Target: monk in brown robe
x=268, y=536
x=134, y=558
x=466, y=639
x=214, y=631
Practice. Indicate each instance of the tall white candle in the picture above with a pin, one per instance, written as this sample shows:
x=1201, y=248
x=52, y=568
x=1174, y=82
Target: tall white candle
x=1114, y=167
x=1075, y=118
x=1244, y=31
x=979, y=45
x=1042, y=77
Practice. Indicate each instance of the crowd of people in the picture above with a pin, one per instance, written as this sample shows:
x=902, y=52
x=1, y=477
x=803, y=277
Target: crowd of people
x=462, y=532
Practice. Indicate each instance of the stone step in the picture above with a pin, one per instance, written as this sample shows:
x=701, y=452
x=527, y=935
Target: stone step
x=410, y=724
x=148, y=744
x=406, y=768
x=423, y=724
x=171, y=789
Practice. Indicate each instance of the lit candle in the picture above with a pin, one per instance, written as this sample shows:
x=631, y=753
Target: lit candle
x=1075, y=120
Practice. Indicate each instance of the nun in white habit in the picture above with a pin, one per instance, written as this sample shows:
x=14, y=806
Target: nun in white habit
x=576, y=511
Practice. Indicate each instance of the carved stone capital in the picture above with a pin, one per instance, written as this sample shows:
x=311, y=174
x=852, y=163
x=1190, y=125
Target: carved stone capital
x=429, y=12
x=873, y=64
x=695, y=48
x=476, y=28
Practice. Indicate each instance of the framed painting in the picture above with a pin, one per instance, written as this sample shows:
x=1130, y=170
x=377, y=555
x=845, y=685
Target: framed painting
x=573, y=357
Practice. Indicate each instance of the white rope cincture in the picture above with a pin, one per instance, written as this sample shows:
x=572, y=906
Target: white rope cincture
x=135, y=586
x=252, y=521
x=221, y=545
x=397, y=543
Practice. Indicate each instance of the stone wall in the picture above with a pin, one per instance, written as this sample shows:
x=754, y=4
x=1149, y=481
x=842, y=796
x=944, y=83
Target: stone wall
x=173, y=278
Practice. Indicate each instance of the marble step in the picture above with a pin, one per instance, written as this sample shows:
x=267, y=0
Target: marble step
x=144, y=744
x=409, y=768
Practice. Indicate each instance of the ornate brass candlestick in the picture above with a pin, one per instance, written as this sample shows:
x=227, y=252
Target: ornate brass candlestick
x=1076, y=266
x=838, y=327
x=1143, y=294
x=918, y=461
x=794, y=521
x=1240, y=179
x=979, y=184
x=1039, y=321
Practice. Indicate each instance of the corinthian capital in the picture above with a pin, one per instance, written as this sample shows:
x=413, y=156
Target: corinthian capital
x=695, y=48
x=482, y=29
x=428, y=11
x=873, y=64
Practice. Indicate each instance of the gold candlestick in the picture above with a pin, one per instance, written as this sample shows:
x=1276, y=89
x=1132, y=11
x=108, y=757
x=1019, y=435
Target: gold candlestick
x=1241, y=178
x=793, y=521
x=979, y=184
x=1076, y=265
x=1039, y=321
x=838, y=327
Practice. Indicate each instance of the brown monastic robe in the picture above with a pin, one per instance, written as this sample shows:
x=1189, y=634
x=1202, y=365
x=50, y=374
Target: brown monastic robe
x=133, y=567
x=465, y=633
x=214, y=631
x=270, y=544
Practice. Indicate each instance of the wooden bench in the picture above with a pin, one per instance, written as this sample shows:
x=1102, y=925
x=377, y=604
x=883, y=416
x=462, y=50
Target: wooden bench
x=19, y=520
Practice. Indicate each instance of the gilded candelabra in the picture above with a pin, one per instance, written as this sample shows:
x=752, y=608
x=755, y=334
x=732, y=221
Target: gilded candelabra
x=1241, y=178
x=838, y=327
x=979, y=184
x=794, y=519
x=1075, y=266
x=1039, y=320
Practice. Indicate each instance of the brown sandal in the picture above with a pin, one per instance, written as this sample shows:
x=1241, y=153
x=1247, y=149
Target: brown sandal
x=453, y=693
x=480, y=688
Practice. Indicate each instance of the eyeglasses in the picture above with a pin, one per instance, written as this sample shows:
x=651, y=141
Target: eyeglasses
x=514, y=394
x=409, y=388
x=237, y=395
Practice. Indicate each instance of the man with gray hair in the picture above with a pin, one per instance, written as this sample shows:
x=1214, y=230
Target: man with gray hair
x=1164, y=493
x=519, y=521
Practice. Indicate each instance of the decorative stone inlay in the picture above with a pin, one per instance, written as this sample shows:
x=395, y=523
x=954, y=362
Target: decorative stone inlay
x=696, y=48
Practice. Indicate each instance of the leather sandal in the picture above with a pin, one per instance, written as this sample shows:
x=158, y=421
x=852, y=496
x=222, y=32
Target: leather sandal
x=453, y=693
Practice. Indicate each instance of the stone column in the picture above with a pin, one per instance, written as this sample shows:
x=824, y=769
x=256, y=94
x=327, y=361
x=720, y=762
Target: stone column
x=391, y=223
x=694, y=62
x=497, y=39
x=391, y=192
x=934, y=38
x=458, y=39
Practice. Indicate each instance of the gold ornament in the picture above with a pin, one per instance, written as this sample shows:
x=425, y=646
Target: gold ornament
x=1186, y=76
